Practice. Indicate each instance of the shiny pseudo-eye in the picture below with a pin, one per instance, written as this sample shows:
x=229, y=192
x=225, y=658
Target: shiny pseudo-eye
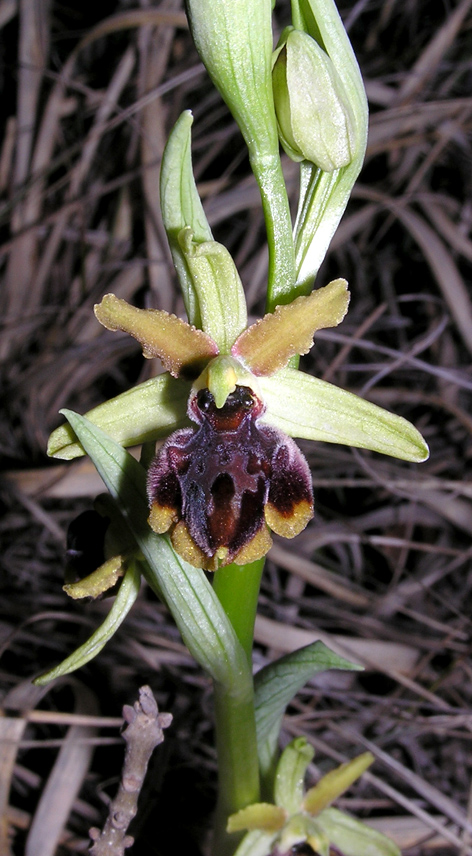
x=220, y=487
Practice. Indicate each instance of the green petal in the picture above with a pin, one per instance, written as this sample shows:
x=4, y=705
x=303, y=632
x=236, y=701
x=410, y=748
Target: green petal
x=354, y=838
x=268, y=345
x=257, y=816
x=147, y=412
x=307, y=407
x=124, y=600
x=218, y=288
x=99, y=581
x=181, y=207
x=182, y=349
x=334, y=783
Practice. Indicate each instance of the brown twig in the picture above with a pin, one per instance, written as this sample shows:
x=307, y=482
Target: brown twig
x=143, y=734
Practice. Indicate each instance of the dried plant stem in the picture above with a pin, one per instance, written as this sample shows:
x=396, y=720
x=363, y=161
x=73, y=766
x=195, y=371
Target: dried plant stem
x=143, y=734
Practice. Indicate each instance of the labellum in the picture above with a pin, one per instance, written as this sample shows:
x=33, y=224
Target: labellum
x=218, y=487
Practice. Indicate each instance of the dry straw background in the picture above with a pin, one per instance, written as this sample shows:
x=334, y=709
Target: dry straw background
x=383, y=573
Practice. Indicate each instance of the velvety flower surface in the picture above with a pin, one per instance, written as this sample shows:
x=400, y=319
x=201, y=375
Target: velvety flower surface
x=219, y=487
x=229, y=472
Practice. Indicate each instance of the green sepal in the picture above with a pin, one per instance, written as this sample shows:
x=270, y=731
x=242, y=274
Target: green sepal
x=218, y=288
x=195, y=607
x=353, y=838
x=256, y=843
x=181, y=207
x=275, y=686
x=306, y=407
x=127, y=594
x=290, y=775
x=149, y=411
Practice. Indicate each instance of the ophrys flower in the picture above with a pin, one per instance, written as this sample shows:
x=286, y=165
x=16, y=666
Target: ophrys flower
x=218, y=488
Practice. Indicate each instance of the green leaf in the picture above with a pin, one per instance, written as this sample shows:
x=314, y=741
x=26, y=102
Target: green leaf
x=354, y=838
x=181, y=206
x=196, y=609
x=275, y=686
x=127, y=594
x=147, y=412
x=218, y=288
x=307, y=407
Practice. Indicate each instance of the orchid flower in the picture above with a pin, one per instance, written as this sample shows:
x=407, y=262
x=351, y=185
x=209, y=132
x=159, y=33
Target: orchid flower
x=299, y=822
x=220, y=487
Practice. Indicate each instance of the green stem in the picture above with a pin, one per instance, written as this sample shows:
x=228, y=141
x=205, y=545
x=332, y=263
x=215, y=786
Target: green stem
x=238, y=768
x=237, y=587
x=282, y=275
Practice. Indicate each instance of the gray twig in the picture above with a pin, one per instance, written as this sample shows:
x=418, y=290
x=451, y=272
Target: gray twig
x=143, y=733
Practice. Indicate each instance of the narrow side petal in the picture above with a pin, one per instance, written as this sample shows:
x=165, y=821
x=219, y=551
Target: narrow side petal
x=264, y=816
x=183, y=349
x=267, y=345
x=127, y=594
x=336, y=782
x=307, y=407
x=147, y=412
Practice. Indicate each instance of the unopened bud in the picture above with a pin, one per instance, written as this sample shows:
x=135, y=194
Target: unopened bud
x=313, y=113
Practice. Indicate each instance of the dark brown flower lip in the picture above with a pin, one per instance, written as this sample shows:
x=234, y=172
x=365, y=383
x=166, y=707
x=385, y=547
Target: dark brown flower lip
x=217, y=487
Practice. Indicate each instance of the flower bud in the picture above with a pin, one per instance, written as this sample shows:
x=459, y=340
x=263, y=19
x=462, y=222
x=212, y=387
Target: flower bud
x=314, y=117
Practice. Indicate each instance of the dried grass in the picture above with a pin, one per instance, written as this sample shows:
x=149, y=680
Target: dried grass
x=384, y=571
